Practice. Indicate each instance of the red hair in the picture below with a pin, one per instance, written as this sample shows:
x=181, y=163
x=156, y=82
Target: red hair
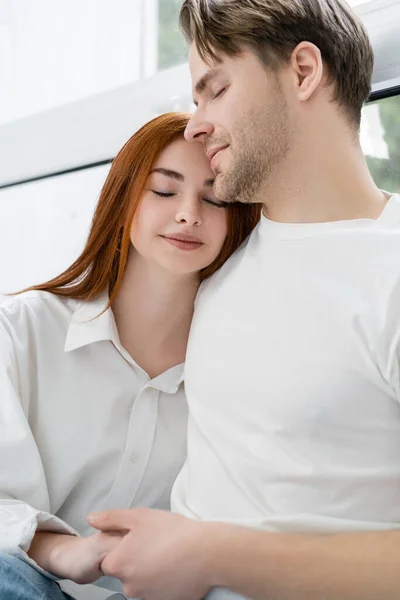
x=101, y=265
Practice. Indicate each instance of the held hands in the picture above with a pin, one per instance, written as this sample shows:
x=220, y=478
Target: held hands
x=156, y=554
x=162, y=556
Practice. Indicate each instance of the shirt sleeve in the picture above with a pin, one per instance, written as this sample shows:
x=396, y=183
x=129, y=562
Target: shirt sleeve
x=24, y=498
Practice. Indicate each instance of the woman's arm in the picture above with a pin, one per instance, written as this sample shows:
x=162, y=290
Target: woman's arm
x=24, y=498
x=70, y=557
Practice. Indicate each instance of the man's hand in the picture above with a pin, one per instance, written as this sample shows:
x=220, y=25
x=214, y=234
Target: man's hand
x=70, y=557
x=163, y=556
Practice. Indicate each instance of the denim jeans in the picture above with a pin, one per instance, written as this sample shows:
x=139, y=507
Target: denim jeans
x=20, y=581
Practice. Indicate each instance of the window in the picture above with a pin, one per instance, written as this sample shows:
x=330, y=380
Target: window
x=78, y=78
x=55, y=53
x=172, y=49
x=380, y=138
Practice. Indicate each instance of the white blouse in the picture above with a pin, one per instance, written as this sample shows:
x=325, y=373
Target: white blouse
x=82, y=426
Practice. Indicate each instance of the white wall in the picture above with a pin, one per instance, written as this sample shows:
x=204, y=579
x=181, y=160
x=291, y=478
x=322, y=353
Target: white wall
x=43, y=226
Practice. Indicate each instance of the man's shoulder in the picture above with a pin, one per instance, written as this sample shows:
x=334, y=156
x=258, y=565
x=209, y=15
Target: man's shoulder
x=230, y=267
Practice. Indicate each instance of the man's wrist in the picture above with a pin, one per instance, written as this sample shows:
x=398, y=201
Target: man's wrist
x=236, y=556
x=216, y=547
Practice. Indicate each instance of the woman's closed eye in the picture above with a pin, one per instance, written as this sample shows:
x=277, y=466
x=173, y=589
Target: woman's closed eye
x=216, y=203
x=163, y=194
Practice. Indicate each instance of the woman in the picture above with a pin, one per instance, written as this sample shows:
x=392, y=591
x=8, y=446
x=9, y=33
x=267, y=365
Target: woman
x=93, y=412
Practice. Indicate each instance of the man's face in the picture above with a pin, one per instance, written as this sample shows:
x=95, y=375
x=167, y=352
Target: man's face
x=242, y=121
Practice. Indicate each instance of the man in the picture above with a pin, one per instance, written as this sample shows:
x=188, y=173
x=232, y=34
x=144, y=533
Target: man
x=292, y=482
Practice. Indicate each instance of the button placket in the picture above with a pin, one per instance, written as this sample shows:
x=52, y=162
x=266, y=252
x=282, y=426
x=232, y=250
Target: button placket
x=147, y=391
x=135, y=457
x=142, y=424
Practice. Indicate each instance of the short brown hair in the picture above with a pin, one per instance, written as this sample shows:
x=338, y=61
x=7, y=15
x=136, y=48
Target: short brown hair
x=102, y=262
x=273, y=28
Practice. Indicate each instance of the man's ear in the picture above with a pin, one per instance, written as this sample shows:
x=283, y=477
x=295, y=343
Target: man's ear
x=308, y=69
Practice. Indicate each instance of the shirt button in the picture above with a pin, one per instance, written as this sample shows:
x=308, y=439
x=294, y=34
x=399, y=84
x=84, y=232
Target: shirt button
x=134, y=457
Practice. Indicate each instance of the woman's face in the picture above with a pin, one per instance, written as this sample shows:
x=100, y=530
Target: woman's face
x=180, y=225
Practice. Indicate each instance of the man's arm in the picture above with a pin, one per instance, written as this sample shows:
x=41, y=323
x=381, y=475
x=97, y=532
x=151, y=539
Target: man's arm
x=166, y=556
x=268, y=566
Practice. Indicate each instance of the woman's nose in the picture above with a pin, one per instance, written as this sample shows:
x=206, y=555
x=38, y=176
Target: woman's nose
x=189, y=213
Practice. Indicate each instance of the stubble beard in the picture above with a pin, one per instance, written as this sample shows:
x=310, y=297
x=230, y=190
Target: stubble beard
x=259, y=145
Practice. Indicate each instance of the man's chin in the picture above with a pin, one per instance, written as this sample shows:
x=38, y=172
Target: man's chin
x=219, y=187
x=223, y=194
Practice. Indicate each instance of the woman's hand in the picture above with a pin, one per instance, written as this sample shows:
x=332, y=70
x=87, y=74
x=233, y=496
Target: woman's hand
x=70, y=557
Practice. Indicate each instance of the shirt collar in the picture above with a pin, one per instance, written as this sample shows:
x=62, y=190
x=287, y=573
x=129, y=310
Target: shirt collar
x=90, y=324
x=170, y=380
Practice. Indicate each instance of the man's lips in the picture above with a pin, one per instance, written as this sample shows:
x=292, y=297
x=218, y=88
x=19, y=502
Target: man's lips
x=211, y=154
x=183, y=242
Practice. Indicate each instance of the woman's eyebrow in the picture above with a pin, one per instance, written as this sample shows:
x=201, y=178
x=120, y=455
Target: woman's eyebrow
x=178, y=176
x=169, y=173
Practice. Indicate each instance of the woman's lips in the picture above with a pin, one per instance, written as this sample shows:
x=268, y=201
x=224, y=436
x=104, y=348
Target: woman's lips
x=183, y=244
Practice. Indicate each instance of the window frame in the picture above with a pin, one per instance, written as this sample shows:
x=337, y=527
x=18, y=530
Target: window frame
x=89, y=132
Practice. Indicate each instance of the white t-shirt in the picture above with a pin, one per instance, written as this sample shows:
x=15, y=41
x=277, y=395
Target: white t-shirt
x=82, y=426
x=292, y=380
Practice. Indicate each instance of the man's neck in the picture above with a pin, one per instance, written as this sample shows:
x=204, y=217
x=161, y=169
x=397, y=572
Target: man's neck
x=325, y=178
x=153, y=311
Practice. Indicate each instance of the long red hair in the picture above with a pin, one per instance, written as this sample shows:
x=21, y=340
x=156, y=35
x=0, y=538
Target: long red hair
x=101, y=265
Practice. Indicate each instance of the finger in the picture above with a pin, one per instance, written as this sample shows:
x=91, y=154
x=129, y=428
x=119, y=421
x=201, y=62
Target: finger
x=120, y=561
x=113, y=564
x=106, y=544
x=111, y=520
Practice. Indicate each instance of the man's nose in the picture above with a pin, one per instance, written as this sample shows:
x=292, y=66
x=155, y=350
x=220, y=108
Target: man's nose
x=197, y=130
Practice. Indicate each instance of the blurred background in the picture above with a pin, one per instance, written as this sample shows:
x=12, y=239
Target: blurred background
x=79, y=77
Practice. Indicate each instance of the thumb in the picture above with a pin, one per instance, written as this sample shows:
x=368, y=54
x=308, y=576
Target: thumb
x=111, y=520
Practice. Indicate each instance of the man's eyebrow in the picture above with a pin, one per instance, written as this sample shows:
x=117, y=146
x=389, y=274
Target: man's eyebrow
x=205, y=80
x=169, y=173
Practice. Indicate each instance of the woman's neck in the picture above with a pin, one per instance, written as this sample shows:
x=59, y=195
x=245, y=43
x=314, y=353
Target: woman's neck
x=153, y=311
